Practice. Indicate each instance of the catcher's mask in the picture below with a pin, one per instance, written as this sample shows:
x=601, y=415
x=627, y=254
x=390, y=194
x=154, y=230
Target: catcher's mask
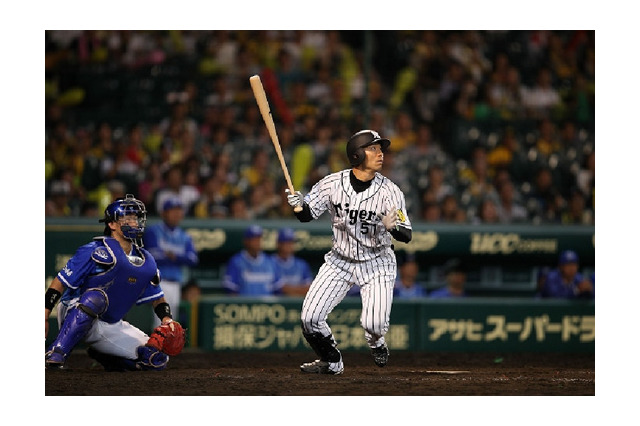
x=130, y=213
x=360, y=140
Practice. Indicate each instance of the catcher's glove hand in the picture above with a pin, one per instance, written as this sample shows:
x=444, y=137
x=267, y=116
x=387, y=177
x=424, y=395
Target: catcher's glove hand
x=169, y=338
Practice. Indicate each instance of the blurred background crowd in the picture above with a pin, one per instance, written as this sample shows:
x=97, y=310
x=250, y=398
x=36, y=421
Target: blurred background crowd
x=486, y=126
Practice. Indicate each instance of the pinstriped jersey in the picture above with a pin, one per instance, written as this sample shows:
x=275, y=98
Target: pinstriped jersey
x=358, y=231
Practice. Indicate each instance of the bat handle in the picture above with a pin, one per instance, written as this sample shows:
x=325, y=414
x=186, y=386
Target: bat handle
x=296, y=209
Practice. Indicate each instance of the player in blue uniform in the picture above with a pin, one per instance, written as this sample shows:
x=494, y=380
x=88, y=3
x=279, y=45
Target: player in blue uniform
x=455, y=278
x=251, y=272
x=173, y=250
x=294, y=272
x=407, y=286
x=101, y=282
x=565, y=282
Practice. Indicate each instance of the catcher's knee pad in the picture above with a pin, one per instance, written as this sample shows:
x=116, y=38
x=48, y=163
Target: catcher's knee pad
x=151, y=359
x=93, y=302
x=79, y=320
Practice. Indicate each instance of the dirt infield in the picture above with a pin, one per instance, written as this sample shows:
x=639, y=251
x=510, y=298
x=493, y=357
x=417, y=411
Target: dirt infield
x=261, y=374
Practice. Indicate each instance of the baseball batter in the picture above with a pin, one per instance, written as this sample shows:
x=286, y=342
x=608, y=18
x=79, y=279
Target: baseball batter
x=367, y=210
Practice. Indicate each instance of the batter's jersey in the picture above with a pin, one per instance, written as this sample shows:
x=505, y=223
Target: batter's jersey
x=160, y=239
x=248, y=276
x=126, y=279
x=358, y=231
x=293, y=271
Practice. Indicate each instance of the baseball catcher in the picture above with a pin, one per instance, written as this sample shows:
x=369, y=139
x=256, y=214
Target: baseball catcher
x=98, y=286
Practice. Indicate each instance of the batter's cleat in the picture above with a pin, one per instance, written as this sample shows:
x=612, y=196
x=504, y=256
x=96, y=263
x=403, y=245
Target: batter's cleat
x=54, y=359
x=380, y=355
x=322, y=367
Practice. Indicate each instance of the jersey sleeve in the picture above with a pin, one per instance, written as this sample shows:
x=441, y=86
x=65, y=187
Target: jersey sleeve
x=397, y=197
x=232, y=275
x=150, y=293
x=81, y=264
x=318, y=198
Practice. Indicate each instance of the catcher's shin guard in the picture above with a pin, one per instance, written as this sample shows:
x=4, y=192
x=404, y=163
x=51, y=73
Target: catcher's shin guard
x=76, y=325
x=324, y=346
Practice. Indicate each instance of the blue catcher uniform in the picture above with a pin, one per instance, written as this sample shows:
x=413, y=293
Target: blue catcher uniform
x=248, y=276
x=125, y=280
x=101, y=283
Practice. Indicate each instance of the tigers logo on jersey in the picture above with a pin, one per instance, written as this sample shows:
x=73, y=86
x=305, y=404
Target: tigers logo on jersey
x=401, y=216
x=354, y=214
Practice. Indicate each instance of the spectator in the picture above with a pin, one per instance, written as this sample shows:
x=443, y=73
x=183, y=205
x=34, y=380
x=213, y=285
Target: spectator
x=238, y=208
x=58, y=202
x=173, y=249
x=544, y=201
x=294, y=271
x=475, y=179
x=502, y=155
x=431, y=212
x=577, y=212
x=487, y=212
x=509, y=210
x=450, y=209
x=585, y=177
x=407, y=286
x=215, y=195
x=437, y=183
x=251, y=272
x=455, y=281
x=565, y=282
x=191, y=292
x=548, y=139
x=176, y=187
x=540, y=99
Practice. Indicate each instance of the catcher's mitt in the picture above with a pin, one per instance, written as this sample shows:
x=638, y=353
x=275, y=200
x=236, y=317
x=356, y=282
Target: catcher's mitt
x=168, y=338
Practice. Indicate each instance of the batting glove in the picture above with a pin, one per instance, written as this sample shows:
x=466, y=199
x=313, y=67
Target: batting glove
x=390, y=220
x=295, y=199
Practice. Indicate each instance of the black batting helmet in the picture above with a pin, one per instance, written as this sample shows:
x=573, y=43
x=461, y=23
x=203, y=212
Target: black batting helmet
x=360, y=140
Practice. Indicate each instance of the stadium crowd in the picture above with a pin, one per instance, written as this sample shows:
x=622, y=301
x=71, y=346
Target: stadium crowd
x=486, y=126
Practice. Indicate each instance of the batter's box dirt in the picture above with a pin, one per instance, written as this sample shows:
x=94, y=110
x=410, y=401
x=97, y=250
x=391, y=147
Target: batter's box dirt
x=269, y=373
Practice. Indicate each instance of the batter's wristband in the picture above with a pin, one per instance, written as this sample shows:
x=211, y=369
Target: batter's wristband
x=163, y=310
x=51, y=297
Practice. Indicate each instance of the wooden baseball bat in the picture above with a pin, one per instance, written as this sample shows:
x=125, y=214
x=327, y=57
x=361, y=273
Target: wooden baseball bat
x=263, y=104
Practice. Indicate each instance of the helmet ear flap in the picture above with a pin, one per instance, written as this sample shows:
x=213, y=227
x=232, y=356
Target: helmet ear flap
x=357, y=157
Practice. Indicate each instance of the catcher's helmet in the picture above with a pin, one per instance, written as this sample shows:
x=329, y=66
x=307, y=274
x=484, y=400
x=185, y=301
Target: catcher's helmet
x=360, y=140
x=126, y=206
